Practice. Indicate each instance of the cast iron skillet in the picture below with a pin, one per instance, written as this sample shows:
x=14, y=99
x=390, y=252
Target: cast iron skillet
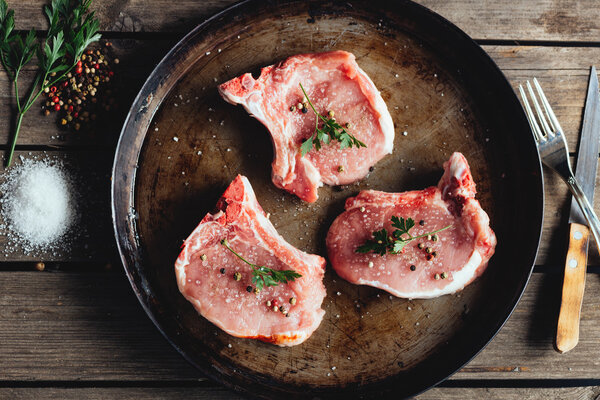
x=181, y=145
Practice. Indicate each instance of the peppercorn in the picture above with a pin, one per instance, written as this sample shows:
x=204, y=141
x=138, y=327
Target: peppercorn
x=292, y=108
x=429, y=257
x=268, y=303
x=300, y=106
x=237, y=276
x=293, y=301
x=428, y=250
x=287, y=315
x=330, y=113
x=371, y=264
x=420, y=245
x=256, y=290
x=348, y=125
x=413, y=268
x=249, y=289
x=340, y=168
x=436, y=277
x=444, y=275
x=428, y=237
x=422, y=222
x=434, y=238
x=281, y=308
x=304, y=110
x=434, y=254
x=222, y=270
x=275, y=308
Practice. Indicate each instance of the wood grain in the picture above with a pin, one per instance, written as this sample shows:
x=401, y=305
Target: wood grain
x=201, y=393
x=565, y=20
x=100, y=247
x=70, y=326
x=563, y=73
x=567, y=332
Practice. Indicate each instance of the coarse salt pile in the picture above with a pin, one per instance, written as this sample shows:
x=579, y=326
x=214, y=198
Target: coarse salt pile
x=37, y=204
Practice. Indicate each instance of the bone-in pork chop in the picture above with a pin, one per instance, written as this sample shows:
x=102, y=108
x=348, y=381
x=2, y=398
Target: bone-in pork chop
x=220, y=286
x=333, y=82
x=427, y=267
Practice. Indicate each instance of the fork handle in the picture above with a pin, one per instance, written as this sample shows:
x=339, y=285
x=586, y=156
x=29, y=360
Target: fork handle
x=567, y=330
x=586, y=209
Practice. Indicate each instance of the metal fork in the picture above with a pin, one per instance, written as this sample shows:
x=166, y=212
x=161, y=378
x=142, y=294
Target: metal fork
x=552, y=146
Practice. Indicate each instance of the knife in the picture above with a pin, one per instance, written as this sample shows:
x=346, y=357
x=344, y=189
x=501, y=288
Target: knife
x=567, y=332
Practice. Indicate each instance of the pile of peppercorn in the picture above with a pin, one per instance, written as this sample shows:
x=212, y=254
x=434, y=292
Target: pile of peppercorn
x=85, y=91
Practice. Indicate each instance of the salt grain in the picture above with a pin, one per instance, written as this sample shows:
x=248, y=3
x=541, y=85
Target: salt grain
x=38, y=204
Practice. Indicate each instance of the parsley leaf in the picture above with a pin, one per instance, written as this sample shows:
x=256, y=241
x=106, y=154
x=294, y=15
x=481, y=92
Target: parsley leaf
x=263, y=276
x=72, y=28
x=383, y=243
x=329, y=130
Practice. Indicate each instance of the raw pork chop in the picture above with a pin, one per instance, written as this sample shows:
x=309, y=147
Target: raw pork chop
x=205, y=272
x=333, y=81
x=462, y=251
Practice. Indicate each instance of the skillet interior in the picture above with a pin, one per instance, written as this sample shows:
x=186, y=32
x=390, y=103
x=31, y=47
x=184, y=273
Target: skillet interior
x=439, y=86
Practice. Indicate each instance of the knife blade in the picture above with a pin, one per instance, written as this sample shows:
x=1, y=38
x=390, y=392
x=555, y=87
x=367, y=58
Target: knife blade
x=567, y=333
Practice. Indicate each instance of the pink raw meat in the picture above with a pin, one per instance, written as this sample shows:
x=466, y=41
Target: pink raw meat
x=205, y=273
x=463, y=251
x=333, y=81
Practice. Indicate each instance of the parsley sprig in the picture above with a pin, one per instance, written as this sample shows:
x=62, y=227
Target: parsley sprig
x=264, y=276
x=383, y=243
x=72, y=29
x=328, y=131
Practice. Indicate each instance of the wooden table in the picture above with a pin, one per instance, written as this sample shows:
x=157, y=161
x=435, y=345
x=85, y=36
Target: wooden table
x=76, y=330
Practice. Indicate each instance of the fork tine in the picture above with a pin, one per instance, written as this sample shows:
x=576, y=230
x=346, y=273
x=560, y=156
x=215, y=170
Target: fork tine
x=549, y=112
x=540, y=114
x=537, y=134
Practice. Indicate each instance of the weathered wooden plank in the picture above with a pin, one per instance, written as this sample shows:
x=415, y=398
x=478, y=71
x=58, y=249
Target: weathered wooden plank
x=92, y=170
x=493, y=393
x=515, y=20
x=216, y=393
x=89, y=326
x=563, y=72
x=126, y=393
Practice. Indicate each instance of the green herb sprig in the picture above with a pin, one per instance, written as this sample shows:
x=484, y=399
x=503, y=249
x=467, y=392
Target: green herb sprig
x=330, y=130
x=72, y=29
x=264, y=276
x=383, y=243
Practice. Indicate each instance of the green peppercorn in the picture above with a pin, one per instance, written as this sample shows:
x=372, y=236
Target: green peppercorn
x=413, y=268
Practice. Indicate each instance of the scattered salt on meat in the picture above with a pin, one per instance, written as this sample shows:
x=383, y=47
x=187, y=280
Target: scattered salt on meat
x=37, y=204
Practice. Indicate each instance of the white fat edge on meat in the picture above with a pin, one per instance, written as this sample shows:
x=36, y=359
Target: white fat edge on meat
x=456, y=169
x=385, y=119
x=459, y=280
x=300, y=334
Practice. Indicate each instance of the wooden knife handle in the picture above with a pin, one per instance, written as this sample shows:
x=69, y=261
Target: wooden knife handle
x=567, y=332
